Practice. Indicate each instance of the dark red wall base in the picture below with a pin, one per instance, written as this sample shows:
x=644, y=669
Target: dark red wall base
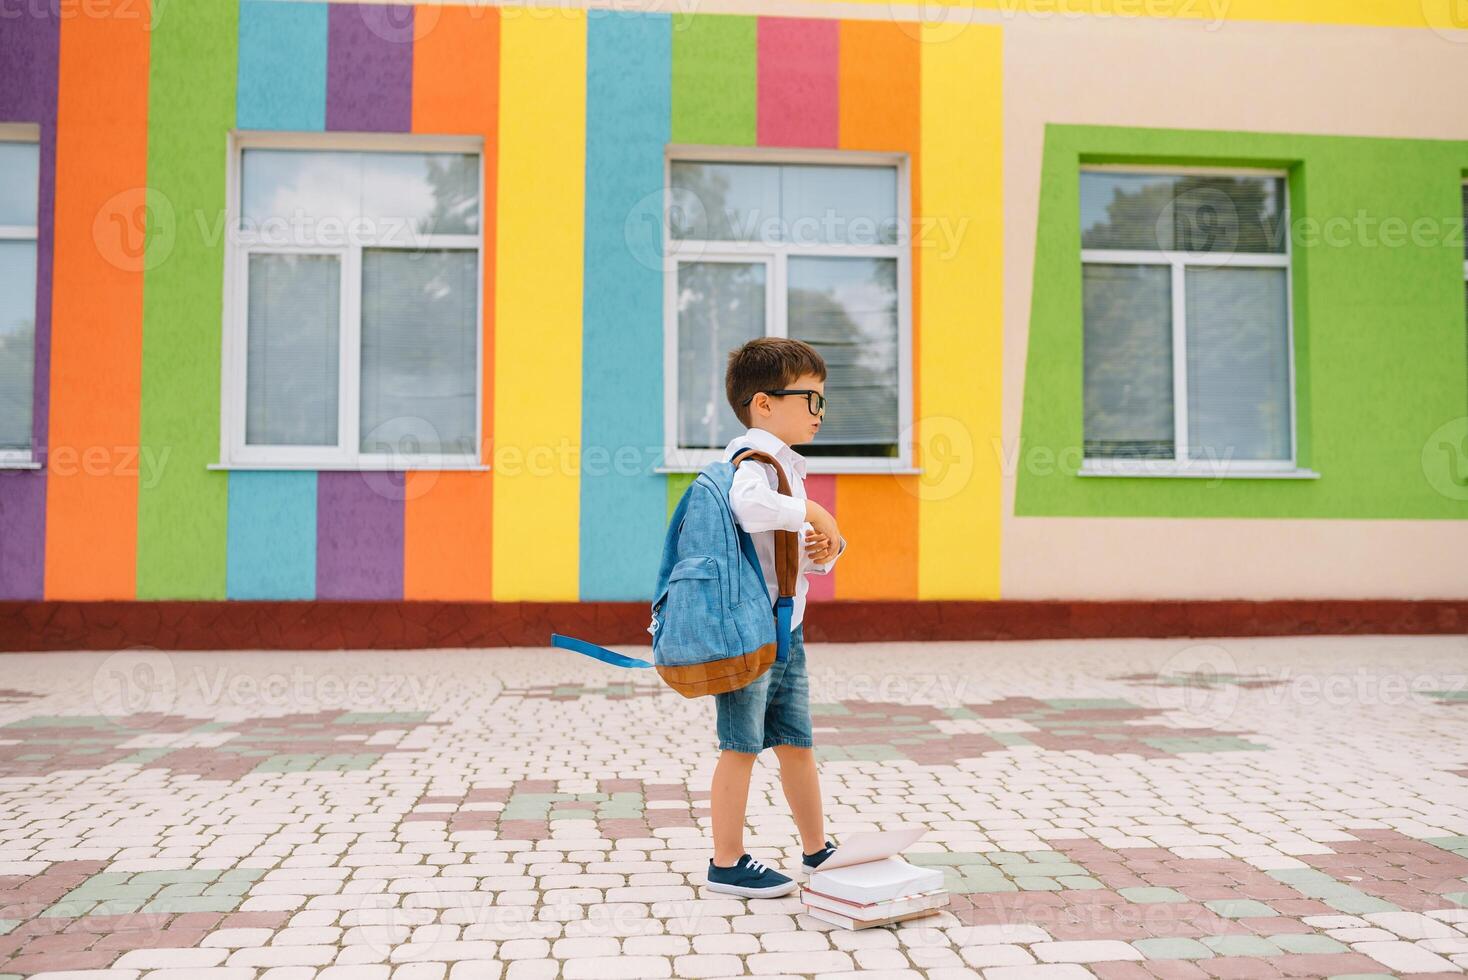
x=412, y=625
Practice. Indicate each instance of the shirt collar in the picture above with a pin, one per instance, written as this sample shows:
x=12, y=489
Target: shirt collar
x=767, y=441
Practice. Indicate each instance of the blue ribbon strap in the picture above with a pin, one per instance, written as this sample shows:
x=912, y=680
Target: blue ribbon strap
x=784, y=608
x=600, y=653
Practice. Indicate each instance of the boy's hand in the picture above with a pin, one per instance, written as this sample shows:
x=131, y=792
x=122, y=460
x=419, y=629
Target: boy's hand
x=819, y=547
x=825, y=538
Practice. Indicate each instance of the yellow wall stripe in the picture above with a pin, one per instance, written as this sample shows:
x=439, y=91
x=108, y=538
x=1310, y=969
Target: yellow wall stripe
x=961, y=282
x=537, y=337
x=1437, y=15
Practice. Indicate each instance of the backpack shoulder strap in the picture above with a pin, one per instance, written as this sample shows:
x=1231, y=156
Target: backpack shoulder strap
x=787, y=543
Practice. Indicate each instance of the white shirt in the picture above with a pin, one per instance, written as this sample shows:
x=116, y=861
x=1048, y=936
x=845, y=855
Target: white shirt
x=759, y=507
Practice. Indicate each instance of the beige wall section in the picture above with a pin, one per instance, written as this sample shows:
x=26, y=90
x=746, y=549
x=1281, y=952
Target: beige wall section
x=1188, y=75
x=1213, y=558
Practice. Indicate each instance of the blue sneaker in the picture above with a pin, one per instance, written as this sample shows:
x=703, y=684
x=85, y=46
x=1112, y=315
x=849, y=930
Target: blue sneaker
x=749, y=877
x=810, y=862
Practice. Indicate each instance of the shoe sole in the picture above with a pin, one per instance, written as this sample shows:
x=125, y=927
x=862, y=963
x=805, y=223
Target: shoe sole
x=744, y=891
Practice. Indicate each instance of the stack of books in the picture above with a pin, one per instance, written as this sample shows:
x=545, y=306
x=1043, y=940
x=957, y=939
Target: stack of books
x=864, y=883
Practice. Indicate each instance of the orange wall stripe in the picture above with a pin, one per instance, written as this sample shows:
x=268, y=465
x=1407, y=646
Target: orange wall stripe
x=94, y=465
x=446, y=519
x=879, y=101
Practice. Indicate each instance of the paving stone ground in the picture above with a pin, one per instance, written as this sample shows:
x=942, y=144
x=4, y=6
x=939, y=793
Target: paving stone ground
x=1129, y=810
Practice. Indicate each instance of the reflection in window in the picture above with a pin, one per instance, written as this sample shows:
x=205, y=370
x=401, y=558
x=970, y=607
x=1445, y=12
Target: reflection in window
x=721, y=305
x=418, y=342
x=1186, y=317
x=391, y=196
x=1187, y=213
x=846, y=308
x=1128, y=344
x=360, y=305
x=803, y=204
x=19, y=192
x=824, y=236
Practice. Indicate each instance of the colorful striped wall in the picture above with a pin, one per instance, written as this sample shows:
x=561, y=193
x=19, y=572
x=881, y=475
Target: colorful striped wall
x=575, y=110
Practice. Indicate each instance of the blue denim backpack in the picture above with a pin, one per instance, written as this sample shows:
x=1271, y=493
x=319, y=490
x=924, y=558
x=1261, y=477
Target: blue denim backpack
x=712, y=626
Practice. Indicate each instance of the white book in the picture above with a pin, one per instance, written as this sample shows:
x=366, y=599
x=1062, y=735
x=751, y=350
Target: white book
x=875, y=910
x=847, y=922
x=876, y=881
x=865, y=869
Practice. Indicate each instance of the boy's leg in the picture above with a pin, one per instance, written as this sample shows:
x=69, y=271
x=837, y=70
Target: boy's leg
x=802, y=785
x=788, y=732
x=728, y=795
x=739, y=719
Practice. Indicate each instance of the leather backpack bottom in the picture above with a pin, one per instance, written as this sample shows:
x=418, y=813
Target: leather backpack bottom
x=719, y=676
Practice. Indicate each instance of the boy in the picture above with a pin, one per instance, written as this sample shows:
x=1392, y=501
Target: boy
x=777, y=389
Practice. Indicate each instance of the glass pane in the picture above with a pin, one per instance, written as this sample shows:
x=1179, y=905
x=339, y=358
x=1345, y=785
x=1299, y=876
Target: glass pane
x=306, y=196
x=1128, y=361
x=720, y=306
x=1195, y=213
x=418, y=351
x=725, y=202
x=850, y=205
x=438, y=193
x=292, y=350
x=847, y=310
x=1238, y=364
x=17, y=342
x=20, y=175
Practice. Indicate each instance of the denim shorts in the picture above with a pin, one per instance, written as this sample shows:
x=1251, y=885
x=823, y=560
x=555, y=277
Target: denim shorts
x=773, y=710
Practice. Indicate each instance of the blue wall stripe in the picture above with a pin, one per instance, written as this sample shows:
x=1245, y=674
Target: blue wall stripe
x=272, y=535
x=282, y=66
x=628, y=108
x=272, y=515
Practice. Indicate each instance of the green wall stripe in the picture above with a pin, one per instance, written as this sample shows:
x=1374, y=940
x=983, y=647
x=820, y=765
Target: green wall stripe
x=191, y=106
x=714, y=79
x=1378, y=328
x=713, y=101
x=677, y=483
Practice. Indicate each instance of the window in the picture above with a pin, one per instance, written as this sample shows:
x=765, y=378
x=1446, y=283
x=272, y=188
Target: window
x=813, y=247
x=353, y=331
x=20, y=168
x=1188, y=366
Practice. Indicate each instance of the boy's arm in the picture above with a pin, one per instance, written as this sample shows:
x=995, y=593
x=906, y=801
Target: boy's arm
x=758, y=506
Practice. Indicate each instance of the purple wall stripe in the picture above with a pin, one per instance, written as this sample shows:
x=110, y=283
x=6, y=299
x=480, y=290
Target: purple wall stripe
x=369, y=74
x=359, y=534
x=31, y=43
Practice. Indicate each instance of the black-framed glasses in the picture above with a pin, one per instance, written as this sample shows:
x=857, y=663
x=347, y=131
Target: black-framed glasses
x=814, y=400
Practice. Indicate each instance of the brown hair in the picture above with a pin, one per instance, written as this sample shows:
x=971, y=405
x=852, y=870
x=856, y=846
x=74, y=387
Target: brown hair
x=765, y=363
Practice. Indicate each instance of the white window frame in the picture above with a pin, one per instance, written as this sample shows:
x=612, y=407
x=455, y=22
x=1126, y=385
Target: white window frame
x=1178, y=262
x=235, y=453
x=776, y=256
x=24, y=459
